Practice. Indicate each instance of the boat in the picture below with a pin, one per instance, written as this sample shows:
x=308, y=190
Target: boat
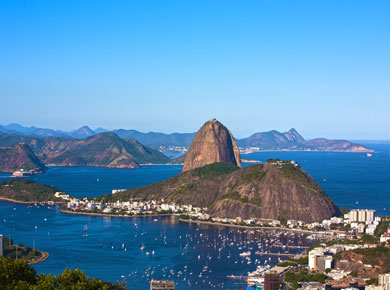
x=369, y=155
x=245, y=254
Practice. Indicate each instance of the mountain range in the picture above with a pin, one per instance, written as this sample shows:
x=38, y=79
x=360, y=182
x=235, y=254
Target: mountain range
x=105, y=149
x=271, y=140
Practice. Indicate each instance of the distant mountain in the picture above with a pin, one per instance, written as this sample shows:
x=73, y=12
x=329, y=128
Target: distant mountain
x=272, y=140
x=212, y=143
x=104, y=149
x=155, y=140
x=292, y=140
x=82, y=133
x=19, y=157
x=33, y=131
x=275, y=190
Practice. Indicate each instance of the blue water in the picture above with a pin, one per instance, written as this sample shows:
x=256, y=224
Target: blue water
x=346, y=177
x=179, y=247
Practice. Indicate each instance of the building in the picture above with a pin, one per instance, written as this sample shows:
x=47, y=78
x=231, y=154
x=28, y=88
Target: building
x=313, y=255
x=361, y=215
x=271, y=281
x=162, y=285
x=324, y=262
x=384, y=281
x=1, y=246
x=385, y=237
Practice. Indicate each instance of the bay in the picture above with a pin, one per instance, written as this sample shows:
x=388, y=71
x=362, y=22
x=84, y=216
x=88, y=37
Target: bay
x=351, y=179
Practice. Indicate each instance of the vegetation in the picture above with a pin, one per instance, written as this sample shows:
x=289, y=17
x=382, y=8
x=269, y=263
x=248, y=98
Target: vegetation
x=376, y=256
x=26, y=190
x=300, y=261
x=16, y=274
x=382, y=228
x=19, y=251
x=257, y=175
x=215, y=169
x=303, y=276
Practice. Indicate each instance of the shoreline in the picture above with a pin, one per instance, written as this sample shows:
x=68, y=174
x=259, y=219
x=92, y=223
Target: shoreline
x=29, y=202
x=114, y=215
x=319, y=151
x=248, y=227
x=44, y=256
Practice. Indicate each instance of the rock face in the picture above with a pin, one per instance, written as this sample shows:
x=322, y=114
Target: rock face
x=213, y=143
x=18, y=157
x=277, y=189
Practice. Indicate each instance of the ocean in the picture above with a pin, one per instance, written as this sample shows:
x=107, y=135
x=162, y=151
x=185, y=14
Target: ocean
x=194, y=256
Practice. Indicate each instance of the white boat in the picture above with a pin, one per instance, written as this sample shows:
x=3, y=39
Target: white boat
x=245, y=254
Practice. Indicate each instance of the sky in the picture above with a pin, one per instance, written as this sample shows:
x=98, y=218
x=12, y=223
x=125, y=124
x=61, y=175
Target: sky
x=322, y=67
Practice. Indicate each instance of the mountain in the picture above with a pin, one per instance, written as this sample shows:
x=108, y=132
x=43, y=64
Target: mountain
x=272, y=140
x=156, y=140
x=292, y=140
x=212, y=143
x=19, y=157
x=104, y=149
x=322, y=144
x=82, y=132
x=277, y=189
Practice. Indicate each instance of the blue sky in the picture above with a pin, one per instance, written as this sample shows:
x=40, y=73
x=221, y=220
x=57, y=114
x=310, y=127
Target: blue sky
x=322, y=67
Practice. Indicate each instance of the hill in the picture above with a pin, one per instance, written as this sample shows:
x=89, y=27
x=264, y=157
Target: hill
x=19, y=157
x=277, y=189
x=272, y=140
x=156, y=140
x=105, y=149
x=212, y=143
x=292, y=140
x=26, y=190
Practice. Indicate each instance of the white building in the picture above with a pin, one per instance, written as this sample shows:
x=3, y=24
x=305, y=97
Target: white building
x=384, y=281
x=313, y=256
x=361, y=215
x=385, y=237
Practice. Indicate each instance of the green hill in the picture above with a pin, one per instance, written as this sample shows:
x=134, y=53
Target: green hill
x=277, y=189
x=105, y=149
x=26, y=190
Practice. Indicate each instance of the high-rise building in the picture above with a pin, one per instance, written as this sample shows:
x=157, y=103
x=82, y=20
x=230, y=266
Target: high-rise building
x=361, y=215
x=271, y=281
x=1, y=246
x=384, y=281
x=162, y=285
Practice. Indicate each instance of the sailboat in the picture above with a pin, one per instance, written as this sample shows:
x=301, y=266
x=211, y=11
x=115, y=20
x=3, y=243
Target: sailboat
x=85, y=230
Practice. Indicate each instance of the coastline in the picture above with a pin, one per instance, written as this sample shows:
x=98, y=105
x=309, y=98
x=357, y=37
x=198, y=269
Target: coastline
x=114, y=215
x=247, y=227
x=44, y=256
x=29, y=202
x=319, y=151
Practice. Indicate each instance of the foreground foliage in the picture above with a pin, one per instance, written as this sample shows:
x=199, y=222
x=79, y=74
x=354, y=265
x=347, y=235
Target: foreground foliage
x=17, y=275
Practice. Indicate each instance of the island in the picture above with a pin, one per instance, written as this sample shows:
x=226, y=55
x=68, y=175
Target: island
x=23, y=190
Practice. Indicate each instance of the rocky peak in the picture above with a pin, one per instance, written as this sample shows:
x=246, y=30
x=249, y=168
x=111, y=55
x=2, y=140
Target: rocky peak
x=212, y=143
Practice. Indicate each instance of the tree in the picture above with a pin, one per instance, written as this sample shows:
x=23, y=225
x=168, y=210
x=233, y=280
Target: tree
x=18, y=275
